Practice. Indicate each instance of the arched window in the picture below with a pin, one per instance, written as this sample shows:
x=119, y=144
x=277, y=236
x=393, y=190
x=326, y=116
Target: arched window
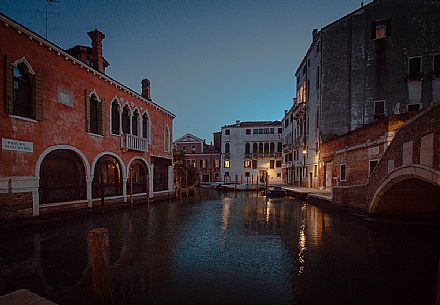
x=255, y=148
x=260, y=148
x=126, y=119
x=22, y=94
x=62, y=177
x=107, y=177
x=279, y=147
x=247, y=148
x=115, y=118
x=94, y=114
x=135, y=123
x=227, y=148
x=266, y=147
x=272, y=147
x=146, y=127
x=167, y=139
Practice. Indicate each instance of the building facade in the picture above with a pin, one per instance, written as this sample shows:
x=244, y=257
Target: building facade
x=380, y=60
x=203, y=157
x=70, y=133
x=252, y=151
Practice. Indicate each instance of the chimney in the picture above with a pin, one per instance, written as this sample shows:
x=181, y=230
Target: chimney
x=146, y=89
x=315, y=34
x=98, y=59
x=237, y=122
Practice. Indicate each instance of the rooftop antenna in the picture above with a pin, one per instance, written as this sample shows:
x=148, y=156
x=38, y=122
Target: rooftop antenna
x=46, y=12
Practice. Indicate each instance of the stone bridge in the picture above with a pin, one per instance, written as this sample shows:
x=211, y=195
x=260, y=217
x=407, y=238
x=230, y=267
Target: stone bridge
x=406, y=181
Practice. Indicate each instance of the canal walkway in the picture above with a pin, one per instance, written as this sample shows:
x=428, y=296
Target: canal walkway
x=304, y=192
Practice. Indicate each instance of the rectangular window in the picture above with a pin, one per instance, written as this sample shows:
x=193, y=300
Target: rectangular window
x=317, y=77
x=436, y=65
x=414, y=68
x=247, y=163
x=201, y=163
x=280, y=130
x=372, y=165
x=227, y=132
x=272, y=131
x=315, y=170
x=266, y=130
x=255, y=131
x=194, y=164
x=342, y=172
x=227, y=164
x=413, y=107
x=183, y=148
x=272, y=164
x=246, y=174
x=379, y=107
x=278, y=175
x=260, y=131
x=381, y=29
x=216, y=163
x=193, y=148
x=278, y=163
x=254, y=164
x=226, y=174
x=248, y=131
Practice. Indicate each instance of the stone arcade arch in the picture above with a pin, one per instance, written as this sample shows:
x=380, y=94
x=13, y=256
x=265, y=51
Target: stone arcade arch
x=143, y=180
x=109, y=171
x=407, y=191
x=38, y=164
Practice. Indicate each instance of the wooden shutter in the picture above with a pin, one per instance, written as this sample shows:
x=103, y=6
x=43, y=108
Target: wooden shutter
x=388, y=27
x=101, y=117
x=37, y=97
x=87, y=100
x=9, y=85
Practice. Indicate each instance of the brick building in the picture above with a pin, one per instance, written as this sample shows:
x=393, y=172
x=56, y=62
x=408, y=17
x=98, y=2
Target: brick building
x=382, y=59
x=203, y=157
x=70, y=132
x=350, y=159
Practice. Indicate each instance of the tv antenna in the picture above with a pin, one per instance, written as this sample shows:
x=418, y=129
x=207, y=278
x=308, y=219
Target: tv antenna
x=47, y=12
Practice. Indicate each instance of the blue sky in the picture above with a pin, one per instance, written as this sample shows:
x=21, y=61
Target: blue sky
x=210, y=62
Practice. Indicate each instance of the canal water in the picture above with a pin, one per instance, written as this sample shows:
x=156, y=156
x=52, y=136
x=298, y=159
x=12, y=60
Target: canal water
x=228, y=248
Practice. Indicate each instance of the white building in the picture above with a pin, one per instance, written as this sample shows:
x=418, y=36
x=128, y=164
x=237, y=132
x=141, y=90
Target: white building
x=250, y=150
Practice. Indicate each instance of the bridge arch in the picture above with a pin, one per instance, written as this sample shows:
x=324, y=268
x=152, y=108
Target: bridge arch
x=421, y=181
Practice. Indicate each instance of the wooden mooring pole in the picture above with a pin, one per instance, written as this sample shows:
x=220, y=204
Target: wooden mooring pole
x=437, y=286
x=99, y=259
x=101, y=188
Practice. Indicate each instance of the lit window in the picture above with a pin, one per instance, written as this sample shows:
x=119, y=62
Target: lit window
x=227, y=164
x=247, y=163
x=216, y=163
x=381, y=29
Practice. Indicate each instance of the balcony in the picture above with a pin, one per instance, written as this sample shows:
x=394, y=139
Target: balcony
x=131, y=142
x=264, y=155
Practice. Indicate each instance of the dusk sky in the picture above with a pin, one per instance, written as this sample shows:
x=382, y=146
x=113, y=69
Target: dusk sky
x=209, y=62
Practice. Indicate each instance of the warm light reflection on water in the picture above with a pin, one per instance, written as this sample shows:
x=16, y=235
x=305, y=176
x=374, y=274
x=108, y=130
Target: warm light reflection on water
x=232, y=248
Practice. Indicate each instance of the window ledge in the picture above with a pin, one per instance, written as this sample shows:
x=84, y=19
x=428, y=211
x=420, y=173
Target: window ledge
x=23, y=118
x=95, y=135
x=115, y=134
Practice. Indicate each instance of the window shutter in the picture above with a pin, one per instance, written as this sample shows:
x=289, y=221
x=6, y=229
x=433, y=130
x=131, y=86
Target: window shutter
x=101, y=117
x=9, y=96
x=388, y=27
x=37, y=97
x=87, y=111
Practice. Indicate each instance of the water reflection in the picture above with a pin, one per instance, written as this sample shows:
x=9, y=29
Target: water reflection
x=228, y=249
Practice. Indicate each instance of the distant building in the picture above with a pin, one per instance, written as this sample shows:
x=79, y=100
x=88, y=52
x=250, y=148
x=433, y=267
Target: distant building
x=70, y=133
x=252, y=150
x=372, y=63
x=204, y=158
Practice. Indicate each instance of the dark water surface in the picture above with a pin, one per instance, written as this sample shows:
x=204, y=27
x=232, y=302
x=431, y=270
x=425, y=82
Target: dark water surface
x=228, y=249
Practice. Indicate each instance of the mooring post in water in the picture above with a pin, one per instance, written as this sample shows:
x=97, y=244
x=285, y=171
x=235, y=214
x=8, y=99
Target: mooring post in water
x=437, y=286
x=99, y=259
x=101, y=188
x=131, y=186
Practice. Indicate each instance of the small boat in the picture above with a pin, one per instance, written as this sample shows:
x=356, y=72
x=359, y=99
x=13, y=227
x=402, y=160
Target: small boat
x=210, y=185
x=276, y=191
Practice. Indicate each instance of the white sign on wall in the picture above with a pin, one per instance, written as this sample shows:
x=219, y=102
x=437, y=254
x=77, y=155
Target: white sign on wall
x=16, y=145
